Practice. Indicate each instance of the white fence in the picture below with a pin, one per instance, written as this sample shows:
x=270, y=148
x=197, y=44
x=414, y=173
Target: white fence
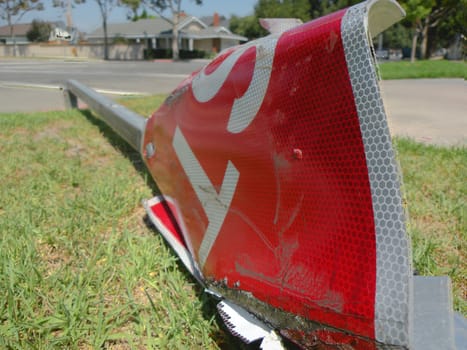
x=116, y=52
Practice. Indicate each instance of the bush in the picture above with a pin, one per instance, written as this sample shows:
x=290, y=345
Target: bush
x=119, y=40
x=167, y=53
x=39, y=32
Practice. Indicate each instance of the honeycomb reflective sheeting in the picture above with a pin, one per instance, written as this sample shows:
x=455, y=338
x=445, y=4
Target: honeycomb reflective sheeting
x=394, y=273
x=324, y=191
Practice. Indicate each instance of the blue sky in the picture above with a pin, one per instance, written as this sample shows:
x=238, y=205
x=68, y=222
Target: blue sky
x=87, y=16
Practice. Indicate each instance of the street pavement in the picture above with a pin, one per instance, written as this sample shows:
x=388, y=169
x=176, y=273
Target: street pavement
x=427, y=110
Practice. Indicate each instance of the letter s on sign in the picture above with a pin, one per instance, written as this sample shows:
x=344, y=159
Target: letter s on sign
x=206, y=86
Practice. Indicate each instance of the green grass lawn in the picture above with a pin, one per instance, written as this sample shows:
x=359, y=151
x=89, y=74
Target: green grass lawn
x=80, y=269
x=435, y=193
x=423, y=69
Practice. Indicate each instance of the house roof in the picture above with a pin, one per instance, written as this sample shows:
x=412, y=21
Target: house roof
x=158, y=27
x=223, y=21
x=215, y=32
x=19, y=29
x=150, y=27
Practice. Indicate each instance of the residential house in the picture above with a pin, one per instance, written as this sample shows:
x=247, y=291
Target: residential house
x=19, y=31
x=156, y=33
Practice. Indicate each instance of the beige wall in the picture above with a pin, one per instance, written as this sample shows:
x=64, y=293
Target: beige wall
x=116, y=52
x=226, y=43
x=193, y=27
x=203, y=45
x=207, y=44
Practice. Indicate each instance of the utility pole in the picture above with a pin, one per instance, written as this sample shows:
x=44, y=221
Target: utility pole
x=69, y=18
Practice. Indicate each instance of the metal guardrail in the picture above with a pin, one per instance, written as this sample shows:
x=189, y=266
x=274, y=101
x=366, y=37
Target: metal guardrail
x=128, y=124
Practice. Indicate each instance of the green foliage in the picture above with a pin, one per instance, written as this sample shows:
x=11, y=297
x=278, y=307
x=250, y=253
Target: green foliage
x=423, y=69
x=283, y=9
x=397, y=36
x=249, y=26
x=144, y=105
x=329, y=6
x=438, y=22
x=39, y=32
x=149, y=54
x=133, y=6
x=417, y=10
x=246, y=26
x=452, y=25
x=119, y=40
x=424, y=16
x=144, y=15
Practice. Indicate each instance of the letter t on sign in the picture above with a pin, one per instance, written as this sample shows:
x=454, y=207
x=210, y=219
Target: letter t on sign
x=215, y=205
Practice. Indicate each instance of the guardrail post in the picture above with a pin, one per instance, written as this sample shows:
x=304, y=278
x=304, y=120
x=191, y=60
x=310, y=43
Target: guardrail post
x=71, y=101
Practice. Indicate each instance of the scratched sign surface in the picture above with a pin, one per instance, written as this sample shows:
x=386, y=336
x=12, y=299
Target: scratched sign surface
x=278, y=157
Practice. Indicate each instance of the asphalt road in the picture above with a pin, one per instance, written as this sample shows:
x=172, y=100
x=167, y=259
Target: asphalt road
x=428, y=110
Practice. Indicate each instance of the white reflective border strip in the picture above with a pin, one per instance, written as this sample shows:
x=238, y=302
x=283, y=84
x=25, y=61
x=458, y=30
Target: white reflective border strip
x=393, y=259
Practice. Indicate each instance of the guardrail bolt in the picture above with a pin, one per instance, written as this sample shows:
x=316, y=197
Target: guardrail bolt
x=150, y=150
x=297, y=153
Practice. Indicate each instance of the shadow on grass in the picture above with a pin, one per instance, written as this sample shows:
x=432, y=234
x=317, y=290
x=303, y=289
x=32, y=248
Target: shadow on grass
x=223, y=338
x=124, y=148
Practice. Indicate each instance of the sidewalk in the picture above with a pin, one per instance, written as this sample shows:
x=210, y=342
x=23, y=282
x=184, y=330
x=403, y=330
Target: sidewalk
x=431, y=111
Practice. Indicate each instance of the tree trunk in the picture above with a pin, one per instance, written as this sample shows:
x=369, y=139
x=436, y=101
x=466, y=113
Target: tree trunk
x=106, y=41
x=414, y=46
x=175, y=51
x=432, y=36
x=12, y=34
x=424, y=43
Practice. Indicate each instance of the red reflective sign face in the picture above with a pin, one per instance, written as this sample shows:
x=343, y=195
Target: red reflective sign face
x=262, y=152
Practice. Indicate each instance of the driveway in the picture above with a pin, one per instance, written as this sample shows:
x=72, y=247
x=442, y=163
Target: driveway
x=428, y=110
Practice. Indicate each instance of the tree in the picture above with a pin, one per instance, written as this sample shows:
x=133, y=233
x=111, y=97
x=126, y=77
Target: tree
x=39, y=31
x=424, y=15
x=105, y=7
x=133, y=6
x=13, y=10
x=283, y=9
x=67, y=6
x=316, y=8
x=249, y=26
x=449, y=30
x=397, y=36
x=246, y=26
x=446, y=13
x=134, y=16
x=174, y=9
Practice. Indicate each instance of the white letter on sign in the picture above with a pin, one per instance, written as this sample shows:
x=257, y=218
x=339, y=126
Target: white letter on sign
x=245, y=108
x=215, y=205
